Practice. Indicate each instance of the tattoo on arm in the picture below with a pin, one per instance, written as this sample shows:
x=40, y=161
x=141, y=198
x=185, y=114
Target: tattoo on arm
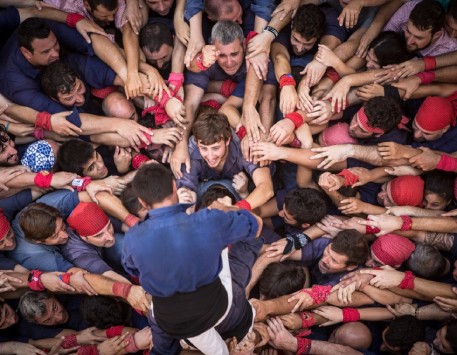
x=443, y=241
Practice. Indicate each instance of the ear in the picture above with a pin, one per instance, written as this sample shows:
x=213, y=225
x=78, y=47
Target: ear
x=144, y=204
x=87, y=6
x=445, y=129
x=26, y=53
x=84, y=238
x=228, y=141
x=305, y=225
x=436, y=36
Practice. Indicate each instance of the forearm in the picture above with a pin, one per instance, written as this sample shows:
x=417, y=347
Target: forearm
x=375, y=314
x=110, y=53
x=112, y=275
x=22, y=181
x=446, y=60
x=324, y=347
x=358, y=299
x=253, y=87
x=92, y=124
x=47, y=13
x=432, y=312
x=177, y=60
x=232, y=113
x=438, y=224
x=384, y=296
x=281, y=61
x=132, y=49
x=261, y=194
x=446, y=75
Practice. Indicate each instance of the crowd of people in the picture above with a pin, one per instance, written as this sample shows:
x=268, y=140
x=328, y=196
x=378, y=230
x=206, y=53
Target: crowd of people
x=228, y=177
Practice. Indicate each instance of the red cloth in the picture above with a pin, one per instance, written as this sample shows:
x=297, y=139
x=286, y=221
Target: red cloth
x=350, y=315
x=307, y=319
x=227, y=87
x=131, y=220
x=333, y=75
x=392, y=249
x=318, y=293
x=139, y=160
x=363, y=121
x=408, y=281
x=87, y=219
x=250, y=36
x=69, y=341
x=244, y=205
x=88, y=350
x=103, y=92
x=296, y=118
x=407, y=190
x=4, y=225
x=43, y=120
x=336, y=134
x=447, y=163
x=241, y=133
x=349, y=177
x=72, y=19
x=211, y=103
x=121, y=289
x=43, y=179
x=286, y=80
x=436, y=113
x=114, y=331
x=303, y=346
x=426, y=77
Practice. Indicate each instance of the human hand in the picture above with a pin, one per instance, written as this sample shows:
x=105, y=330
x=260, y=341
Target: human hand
x=62, y=126
x=259, y=44
x=85, y=27
x=305, y=103
x=267, y=151
x=402, y=309
x=402, y=170
x=156, y=84
x=387, y=76
x=338, y=95
x=112, y=346
x=260, y=329
x=288, y=99
x=250, y=119
x=143, y=338
x=291, y=321
x=314, y=72
x=367, y=92
x=321, y=113
x=17, y=348
x=115, y=183
x=282, y=131
x=182, y=30
x=278, y=248
x=280, y=337
x=9, y=173
x=186, y=195
x=210, y=54
x=245, y=347
x=384, y=222
x=87, y=337
x=168, y=136
x=330, y=182
x=327, y=57
x=350, y=14
x=194, y=46
x=333, y=315
x=354, y=279
x=286, y=8
x=392, y=151
x=352, y=205
x=386, y=278
x=332, y=154
x=53, y=283
x=410, y=85
x=304, y=301
x=180, y=156
x=133, y=15
x=240, y=184
x=7, y=282
x=420, y=348
x=364, y=174
x=133, y=132
x=133, y=85
x=426, y=161
x=368, y=37
x=62, y=180
x=122, y=159
x=344, y=294
x=259, y=63
x=139, y=299
x=80, y=284
x=447, y=304
x=327, y=224
x=176, y=111
x=409, y=68
x=351, y=223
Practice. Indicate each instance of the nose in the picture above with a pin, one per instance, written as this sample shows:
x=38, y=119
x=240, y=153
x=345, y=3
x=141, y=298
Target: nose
x=418, y=135
x=160, y=63
x=79, y=99
x=110, y=18
x=161, y=7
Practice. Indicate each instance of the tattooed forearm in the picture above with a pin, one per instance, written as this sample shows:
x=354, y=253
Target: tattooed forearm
x=443, y=241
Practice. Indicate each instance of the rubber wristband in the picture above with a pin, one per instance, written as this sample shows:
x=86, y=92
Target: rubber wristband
x=426, y=77
x=244, y=205
x=227, y=87
x=131, y=220
x=407, y=223
x=199, y=62
x=430, y=63
x=34, y=282
x=408, y=281
x=114, y=331
x=121, y=289
x=72, y=19
x=296, y=118
x=350, y=315
x=139, y=160
x=43, y=179
x=241, y=133
x=69, y=341
x=272, y=30
x=286, y=80
x=447, y=163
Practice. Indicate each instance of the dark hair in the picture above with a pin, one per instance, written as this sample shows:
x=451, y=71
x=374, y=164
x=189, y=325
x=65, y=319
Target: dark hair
x=58, y=78
x=383, y=112
x=352, y=244
x=110, y=5
x=428, y=15
x=214, y=8
x=38, y=221
x=451, y=334
x=31, y=29
x=309, y=21
x=390, y=48
x=213, y=193
x=72, y=156
x=130, y=200
x=153, y=183
x=154, y=35
x=452, y=9
x=280, y=279
x=403, y=332
x=210, y=128
x=306, y=205
x=426, y=261
x=104, y=312
x=440, y=183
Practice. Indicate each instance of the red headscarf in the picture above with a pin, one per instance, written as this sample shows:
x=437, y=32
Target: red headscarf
x=4, y=225
x=436, y=113
x=392, y=249
x=407, y=190
x=87, y=219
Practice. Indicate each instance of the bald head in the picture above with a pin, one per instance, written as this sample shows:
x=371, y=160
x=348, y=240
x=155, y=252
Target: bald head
x=356, y=335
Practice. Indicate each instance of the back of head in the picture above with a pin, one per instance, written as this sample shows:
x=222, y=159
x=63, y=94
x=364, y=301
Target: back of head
x=440, y=183
x=57, y=78
x=306, y=205
x=451, y=334
x=309, y=22
x=31, y=29
x=87, y=219
x=215, y=192
x=210, y=128
x=435, y=114
x=428, y=15
x=356, y=335
x=154, y=35
x=403, y=332
x=32, y=305
x=226, y=32
x=280, y=279
x=153, y=183
x=104, y=312
x=427, y=261
x=392, y=249
x=38, y=221
x=109, y=5
x=452, y=9
x=72, y=156
x=39, y=156
x=352, y=244
x=390, y=48
x=130, y=200
x=407, y=190
x=383, y=112
x=216, y=8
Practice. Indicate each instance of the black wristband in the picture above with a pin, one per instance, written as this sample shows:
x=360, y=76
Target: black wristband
x=272, y=30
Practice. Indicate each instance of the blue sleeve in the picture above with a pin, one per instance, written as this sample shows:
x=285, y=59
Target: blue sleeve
x=91, y=69
x=6, y=263
x=70, y=38
x=332, y=26
x=13, y=204
x=313, y=251
x=200, y=80
x=234, y=225
x=63, y=200
x=446, y=144
x=193, y=7
x=263, y=8
x=92, y=262
x=127, y=258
